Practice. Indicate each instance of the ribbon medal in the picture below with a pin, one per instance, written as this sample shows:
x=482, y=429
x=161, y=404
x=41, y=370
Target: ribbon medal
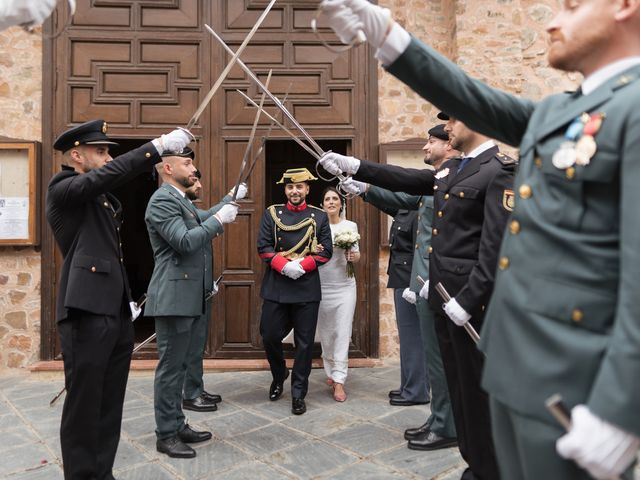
x=586, y=147
x=566, y=155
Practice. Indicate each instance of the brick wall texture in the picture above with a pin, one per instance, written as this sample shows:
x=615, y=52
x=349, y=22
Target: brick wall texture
x=502, y=42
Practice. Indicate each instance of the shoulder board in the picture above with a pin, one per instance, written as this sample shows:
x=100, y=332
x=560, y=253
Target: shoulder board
x=506, y=159
x=625, y=79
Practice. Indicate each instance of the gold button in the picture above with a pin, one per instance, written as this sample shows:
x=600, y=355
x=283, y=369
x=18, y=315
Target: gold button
x=538, y=162
x=121, y=260
x=514, y=227
x=421, y=204
x=483, y=308
x=105, y=204
x=93, y=269
x=417, y=231
x=434, y=231
x=416, y=246
x=446, y=196
x=461, y=194
x=279, y=238
x=186, y=275
x=148, y=155
x=398, y=228
x=525, y=191
x=430, y=249
x=577, y=315
x=503, y=263
x=570, y=173
x=76, y=143
x=440, y=214
x=435, y=187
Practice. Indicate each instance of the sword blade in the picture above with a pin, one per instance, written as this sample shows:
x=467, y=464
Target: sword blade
x=228, y=68
x=271, y=96
x=284, y=129
x=247, y=150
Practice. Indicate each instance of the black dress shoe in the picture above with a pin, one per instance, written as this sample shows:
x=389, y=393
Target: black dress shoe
x=298, y=407
x=394, y=393
x=189, y=435
x=432, y=441
x=276, y=388
x=413, y=433
x=212, y=397
x=199, y=404
x=175, y=448
x=403, y=402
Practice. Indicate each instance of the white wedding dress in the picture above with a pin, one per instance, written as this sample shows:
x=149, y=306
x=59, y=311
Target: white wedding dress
x=335, y=317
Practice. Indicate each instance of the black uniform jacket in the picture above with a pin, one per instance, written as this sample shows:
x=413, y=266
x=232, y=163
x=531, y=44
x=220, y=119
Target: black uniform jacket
x=86, y=220
x=272, y=240
x=470, y=213
x=401, y=248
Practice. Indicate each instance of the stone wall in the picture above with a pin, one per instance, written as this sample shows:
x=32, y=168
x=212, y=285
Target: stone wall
x=20, y=104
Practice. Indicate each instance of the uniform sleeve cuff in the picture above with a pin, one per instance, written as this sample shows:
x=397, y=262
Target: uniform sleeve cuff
x=278, y=262
x=308, y=263
x=394, y=45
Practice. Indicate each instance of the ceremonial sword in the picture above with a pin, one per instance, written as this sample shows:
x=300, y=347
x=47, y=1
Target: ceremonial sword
x=228, y=68
x=446, y=298
x=243, y=164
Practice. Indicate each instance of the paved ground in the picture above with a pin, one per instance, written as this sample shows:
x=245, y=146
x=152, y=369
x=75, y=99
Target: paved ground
x=253, y=438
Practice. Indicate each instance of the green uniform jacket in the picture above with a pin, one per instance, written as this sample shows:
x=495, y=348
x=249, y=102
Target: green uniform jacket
x=564, y=315
x=384, y=199
x=180, y=236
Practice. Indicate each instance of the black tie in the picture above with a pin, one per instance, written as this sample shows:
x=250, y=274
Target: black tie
x=463, y=163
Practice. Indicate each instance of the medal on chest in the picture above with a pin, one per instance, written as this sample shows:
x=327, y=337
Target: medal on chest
x=579, y=145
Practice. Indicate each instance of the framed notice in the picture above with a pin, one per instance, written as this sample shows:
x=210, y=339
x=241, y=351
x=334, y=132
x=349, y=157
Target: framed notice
x=404, y=153
x=19, y=168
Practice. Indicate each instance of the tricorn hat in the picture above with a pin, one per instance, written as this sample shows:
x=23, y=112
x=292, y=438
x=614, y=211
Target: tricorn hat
x=88, y=133
x=296, y=175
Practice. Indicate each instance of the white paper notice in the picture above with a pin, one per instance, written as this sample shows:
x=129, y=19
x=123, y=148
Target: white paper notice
x=14, y=217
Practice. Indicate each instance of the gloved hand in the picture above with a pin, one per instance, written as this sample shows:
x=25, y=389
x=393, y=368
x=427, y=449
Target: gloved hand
x=354, y=187
x=409, y=296
x=343, y=21
x=174, y=141
x=456, y=313
x=424, y=291
x=135, y=310
x=293, y=270
x=601, y=448
x=334, y=163
x=242, y=191
x=346, y=17
x=227, y=213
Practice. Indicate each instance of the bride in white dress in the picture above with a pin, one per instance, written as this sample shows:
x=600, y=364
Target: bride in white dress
x=335, y=317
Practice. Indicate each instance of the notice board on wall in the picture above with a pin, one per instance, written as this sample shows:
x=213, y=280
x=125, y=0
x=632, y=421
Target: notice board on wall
x=19, y=167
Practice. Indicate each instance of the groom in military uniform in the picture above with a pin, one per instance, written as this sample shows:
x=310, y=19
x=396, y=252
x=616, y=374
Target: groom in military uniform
x=563, y=317
x=294, y=240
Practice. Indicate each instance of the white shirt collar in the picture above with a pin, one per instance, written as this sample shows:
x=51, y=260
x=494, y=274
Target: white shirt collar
x=600, y=76
x=482, y=148
x=177, y=190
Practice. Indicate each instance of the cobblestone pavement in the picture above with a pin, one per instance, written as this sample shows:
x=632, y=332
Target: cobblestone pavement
x=253, y=438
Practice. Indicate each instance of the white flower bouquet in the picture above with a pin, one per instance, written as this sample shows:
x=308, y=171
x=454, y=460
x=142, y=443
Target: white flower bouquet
x=346, y=239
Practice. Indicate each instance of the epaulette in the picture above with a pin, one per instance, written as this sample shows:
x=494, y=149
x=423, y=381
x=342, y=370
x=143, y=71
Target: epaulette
x=506, y=159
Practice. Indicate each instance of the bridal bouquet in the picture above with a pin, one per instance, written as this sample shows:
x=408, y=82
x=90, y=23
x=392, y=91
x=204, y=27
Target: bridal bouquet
x=346, y=240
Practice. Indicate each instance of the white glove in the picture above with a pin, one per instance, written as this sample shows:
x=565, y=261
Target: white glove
x=293, y=270
x=424, y=291
x=174, y=141
x=334, y=163
x=409, y=296
x=343, y=21
x=135, y=310
x=601, y=448
x=376, y=20
x=28, y=14
x=354, y=187
x=227, y=213
x=456, y=313
x=242, y=191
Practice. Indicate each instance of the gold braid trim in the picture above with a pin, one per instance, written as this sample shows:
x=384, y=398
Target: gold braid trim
x=309, y=237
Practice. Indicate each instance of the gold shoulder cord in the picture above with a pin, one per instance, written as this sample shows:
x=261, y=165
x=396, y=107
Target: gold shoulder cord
x=309, y=237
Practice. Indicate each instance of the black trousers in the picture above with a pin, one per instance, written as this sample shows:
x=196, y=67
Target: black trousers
x=463, y=364
x=276, y=322
x=97, y=354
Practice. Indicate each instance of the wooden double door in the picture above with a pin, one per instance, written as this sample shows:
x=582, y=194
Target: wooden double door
x=144, y=67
